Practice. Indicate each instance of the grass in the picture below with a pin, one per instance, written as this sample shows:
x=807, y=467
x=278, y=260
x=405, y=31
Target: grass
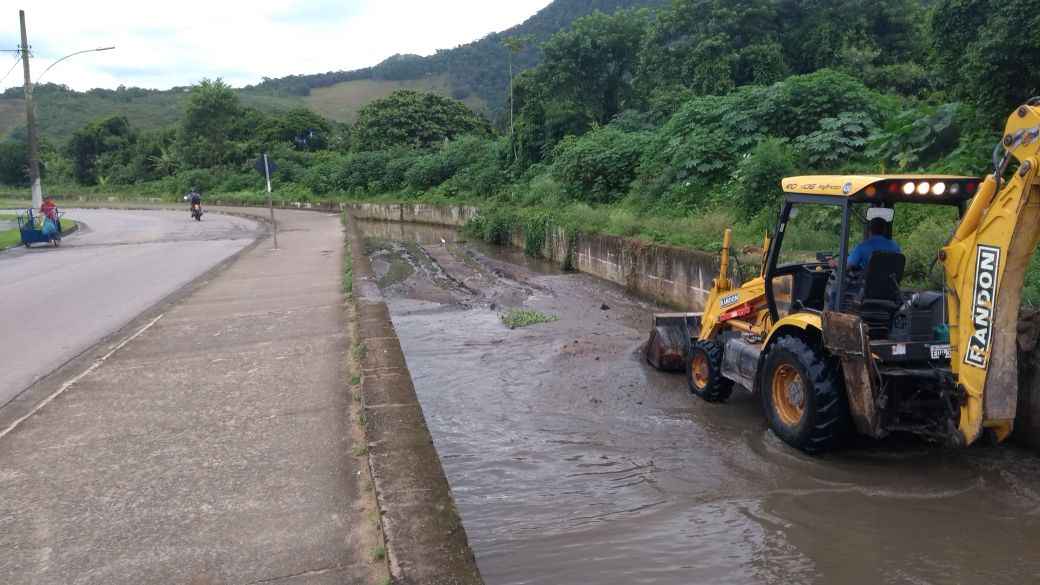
x=348, y=271
x=360, y=351
x=516, y=318
x=342, y=101
x=355, y=380
x=379, y=553
x=10, y=238
x=360, y=450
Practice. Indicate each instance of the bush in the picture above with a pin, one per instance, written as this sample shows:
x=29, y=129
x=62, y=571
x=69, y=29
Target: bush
x=759, y=176
x=921, y=247
x=797, y=104
x=699, y=147
x=479, y=161
x=323, y=175
x=837, y=141
x=427, y=171
x=918, y=136
x=485, y=171
x=494, y=225
x=243, y=180
x=599, y=166
x=364, y=172
x=201, y=179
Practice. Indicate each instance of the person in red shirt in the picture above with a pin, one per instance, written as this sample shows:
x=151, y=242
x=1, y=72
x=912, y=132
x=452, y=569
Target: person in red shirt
x=49, y=210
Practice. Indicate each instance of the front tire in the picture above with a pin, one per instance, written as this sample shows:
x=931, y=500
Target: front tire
x=704, y=372
x=803, y=396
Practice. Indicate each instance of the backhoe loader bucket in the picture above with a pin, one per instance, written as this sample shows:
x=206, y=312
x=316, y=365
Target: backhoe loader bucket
x=670, y=338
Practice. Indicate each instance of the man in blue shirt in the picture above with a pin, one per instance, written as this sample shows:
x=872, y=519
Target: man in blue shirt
x=877, y=241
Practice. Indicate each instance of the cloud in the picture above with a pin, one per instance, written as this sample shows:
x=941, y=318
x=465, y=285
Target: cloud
x=167, y=44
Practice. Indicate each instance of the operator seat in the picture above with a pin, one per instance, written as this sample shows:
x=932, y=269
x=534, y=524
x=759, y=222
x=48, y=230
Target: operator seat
x=879, y=296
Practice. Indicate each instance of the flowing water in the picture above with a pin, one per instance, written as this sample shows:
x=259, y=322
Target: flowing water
x=572, y=461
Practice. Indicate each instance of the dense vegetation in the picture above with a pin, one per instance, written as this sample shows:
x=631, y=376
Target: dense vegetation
x=666, y=124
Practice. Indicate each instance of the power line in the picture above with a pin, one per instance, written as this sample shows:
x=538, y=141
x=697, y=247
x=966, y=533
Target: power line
x=17, y=60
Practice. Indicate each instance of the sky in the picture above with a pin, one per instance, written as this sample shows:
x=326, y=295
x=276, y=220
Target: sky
x=163, y=44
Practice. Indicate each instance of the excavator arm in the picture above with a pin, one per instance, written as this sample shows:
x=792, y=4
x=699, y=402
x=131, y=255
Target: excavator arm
x=985, y=264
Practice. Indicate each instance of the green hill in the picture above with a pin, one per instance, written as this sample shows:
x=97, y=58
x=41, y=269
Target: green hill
x=475, y=73
x=342, y=101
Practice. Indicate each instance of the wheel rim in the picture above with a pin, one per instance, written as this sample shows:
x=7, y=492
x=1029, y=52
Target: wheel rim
x=788, y=394
x=699, y=369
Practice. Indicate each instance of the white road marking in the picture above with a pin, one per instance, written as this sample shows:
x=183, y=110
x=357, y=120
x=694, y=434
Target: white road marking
x=68, y=384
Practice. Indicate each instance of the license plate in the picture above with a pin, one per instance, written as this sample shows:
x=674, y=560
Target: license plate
x=942, y=352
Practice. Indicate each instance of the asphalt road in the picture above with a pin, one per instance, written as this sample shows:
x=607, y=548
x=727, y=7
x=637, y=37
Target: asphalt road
x=57, y=302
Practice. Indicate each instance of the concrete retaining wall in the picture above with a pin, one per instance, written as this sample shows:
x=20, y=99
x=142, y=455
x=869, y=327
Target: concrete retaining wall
x=427, y=543
x=450, y=215
x=666, y=274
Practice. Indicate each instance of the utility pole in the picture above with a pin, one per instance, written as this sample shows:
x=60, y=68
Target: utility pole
x=30, y=121
x=270, y=203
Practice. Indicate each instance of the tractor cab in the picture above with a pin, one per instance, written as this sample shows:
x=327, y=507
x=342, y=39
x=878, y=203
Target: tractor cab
x=837, y=247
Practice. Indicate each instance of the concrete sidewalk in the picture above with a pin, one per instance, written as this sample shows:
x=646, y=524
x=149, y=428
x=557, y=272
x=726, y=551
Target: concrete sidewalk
x=215, y=447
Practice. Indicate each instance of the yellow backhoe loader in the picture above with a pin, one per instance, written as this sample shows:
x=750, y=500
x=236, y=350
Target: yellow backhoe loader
x=834, y=348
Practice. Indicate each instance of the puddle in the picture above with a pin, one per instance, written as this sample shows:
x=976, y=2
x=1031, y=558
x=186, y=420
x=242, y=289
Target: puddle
x=572, y=461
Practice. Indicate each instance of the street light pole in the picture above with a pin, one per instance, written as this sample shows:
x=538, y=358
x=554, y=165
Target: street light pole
x=30, y=121
x=30, y=113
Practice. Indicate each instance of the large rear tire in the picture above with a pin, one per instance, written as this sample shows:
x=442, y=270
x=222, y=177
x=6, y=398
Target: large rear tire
x=704, y=372
x=803, y=396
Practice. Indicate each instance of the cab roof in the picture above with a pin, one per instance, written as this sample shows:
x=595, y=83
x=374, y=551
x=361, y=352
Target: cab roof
x=886, y=188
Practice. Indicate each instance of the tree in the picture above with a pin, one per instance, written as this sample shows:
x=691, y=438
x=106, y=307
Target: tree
x=515, y=45
x=584, y=80
x=209, y=124
x=712, y=46
x=414, y=119
x=302, y=128
x=982, y=48
x=14, y=163
x=592, y=63
x=108, y=140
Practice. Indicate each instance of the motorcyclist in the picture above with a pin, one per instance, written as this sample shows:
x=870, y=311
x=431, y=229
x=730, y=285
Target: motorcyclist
x=194, y=198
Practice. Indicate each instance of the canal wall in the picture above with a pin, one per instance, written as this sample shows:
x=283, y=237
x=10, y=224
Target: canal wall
x=681, y=278
x=666, y=274
x=426, y=542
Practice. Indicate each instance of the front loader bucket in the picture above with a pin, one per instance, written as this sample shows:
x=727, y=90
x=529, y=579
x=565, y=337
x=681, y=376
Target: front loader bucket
x=670, y=338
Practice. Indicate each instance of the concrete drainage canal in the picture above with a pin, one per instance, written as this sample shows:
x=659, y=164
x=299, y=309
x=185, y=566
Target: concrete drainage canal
x=572, y=461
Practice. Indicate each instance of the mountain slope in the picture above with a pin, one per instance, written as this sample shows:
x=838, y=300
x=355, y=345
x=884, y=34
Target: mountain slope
x=476, y=73
x=474, y=70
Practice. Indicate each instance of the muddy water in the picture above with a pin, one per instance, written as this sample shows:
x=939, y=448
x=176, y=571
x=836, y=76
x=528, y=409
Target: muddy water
x=573, y=462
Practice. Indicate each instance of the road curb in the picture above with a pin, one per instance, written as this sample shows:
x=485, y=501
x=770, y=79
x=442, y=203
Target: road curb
x=426, y=542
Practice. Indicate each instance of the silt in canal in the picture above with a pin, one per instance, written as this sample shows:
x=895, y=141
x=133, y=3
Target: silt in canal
x=573, y=461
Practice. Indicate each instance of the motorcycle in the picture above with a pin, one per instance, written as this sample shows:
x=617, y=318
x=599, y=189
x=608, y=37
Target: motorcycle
x=196, y=211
